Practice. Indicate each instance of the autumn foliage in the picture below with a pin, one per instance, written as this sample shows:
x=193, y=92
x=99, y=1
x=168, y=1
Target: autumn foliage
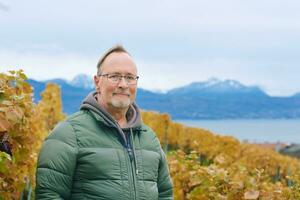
x=204, y=165
x=23, y=127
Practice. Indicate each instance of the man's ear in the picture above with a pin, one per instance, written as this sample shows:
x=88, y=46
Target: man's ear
x=97, y=83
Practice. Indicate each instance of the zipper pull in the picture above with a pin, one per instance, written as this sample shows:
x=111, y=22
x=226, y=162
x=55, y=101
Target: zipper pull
x=130, y=153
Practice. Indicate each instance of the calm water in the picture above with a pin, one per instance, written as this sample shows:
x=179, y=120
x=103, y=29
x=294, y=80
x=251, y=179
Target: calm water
x=283, y=130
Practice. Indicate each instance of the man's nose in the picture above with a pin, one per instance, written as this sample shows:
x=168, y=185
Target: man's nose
x=122, y=83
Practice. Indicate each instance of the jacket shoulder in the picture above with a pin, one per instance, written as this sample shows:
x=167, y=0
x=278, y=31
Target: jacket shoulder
x=64, y=131
x=147, y=129
x=78, y=116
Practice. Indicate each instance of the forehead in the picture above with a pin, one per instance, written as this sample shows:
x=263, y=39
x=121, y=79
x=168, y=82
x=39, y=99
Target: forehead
x=119, y=62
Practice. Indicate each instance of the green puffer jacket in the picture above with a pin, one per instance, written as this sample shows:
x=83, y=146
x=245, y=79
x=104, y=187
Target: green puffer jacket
x=88, y=156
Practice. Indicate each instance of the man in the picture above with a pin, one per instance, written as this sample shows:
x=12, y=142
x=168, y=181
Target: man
x=104, y=151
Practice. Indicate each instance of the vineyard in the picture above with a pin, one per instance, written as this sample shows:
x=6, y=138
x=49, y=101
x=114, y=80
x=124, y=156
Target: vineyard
x=23, y=127
x=203, y=165
x=207, y=166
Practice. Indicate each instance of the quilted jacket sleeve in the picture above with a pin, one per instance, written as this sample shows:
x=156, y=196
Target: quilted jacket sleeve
x=165, y=187
x=56, y=164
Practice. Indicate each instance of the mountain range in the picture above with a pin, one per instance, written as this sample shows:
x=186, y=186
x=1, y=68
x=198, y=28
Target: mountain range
x=211, y=99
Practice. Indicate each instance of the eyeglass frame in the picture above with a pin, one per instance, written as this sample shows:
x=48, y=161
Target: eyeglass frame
x=120, y=78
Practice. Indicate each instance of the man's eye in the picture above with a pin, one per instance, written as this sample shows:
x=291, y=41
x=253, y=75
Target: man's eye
x=114, y=76
x=130, y=78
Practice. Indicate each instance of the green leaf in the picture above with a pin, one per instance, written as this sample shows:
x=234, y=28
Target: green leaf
x=5, y=155
x=1, y=96
x=12, y=72
x=23, y=76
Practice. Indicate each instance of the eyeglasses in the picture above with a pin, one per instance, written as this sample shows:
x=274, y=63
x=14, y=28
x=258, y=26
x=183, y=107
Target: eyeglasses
x=116, y=78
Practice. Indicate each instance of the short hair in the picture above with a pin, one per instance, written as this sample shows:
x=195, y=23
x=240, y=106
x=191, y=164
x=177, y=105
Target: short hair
x=116, y=48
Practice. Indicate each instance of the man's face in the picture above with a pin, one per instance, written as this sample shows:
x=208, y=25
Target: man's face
x=116, y=95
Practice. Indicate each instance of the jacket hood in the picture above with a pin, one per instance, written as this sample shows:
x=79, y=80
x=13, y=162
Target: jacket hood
x=133, y=114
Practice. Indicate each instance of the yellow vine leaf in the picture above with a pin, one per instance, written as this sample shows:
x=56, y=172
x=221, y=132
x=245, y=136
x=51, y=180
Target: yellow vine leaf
x=251, y=194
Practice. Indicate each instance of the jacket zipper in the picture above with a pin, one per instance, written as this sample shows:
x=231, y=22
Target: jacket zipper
x=131, y=157
x=131, y=163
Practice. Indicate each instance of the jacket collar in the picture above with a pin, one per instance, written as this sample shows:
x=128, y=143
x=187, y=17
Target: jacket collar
x=133, y=114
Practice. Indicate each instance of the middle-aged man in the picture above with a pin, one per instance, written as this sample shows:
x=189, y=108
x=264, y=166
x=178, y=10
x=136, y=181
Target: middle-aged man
x=104, y=151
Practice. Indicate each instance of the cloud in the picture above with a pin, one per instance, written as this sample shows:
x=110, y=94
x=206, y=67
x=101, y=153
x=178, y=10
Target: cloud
x=43, y=66
x=156, y=74
x=255, y=42
x=4, y=7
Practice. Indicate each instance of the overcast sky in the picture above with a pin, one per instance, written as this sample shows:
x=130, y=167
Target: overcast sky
x=173, y=42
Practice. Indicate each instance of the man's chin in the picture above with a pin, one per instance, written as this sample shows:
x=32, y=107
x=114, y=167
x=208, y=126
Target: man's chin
x=121, y=104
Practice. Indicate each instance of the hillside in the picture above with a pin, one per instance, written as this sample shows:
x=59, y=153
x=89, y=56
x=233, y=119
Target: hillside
x=204, y=165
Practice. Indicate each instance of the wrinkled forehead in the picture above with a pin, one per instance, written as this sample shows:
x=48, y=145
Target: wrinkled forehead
x=119, y=62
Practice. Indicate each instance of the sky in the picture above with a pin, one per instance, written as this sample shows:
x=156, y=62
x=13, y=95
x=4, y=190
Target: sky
x=173, y=42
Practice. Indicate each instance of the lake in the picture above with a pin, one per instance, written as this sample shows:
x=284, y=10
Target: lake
x=254, y=130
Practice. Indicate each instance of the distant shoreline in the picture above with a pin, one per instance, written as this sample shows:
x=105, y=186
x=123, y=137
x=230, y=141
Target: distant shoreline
x=252, y=130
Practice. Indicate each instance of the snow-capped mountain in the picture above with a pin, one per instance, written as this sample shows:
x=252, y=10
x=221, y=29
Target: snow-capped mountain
x=82, y=81
x=217, y=86
x=212, y=99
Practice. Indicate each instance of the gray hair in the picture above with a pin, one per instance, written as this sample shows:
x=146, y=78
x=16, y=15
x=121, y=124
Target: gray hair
x=116, y=48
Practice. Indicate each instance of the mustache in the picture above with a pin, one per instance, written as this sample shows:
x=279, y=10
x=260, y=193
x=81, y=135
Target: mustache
x=121, y=92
